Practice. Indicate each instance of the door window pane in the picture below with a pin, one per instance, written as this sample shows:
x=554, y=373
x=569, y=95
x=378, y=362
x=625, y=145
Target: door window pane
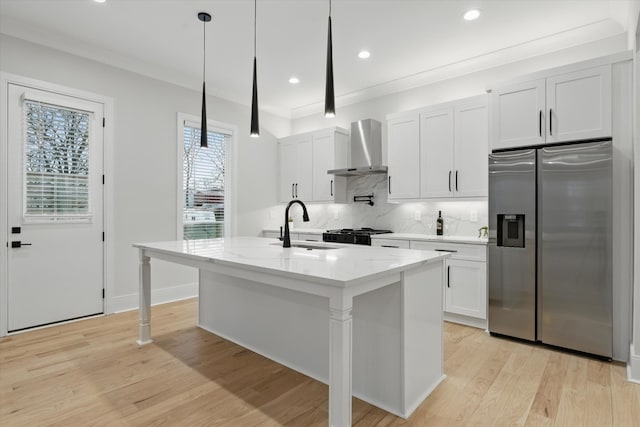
x=56, y=170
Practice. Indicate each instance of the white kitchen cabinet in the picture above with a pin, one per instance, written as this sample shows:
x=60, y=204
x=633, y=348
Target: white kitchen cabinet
x=518, y=114
x=304, y=161
x=579, y=105
x=436, y=152
x=295, y=168
x=330, y=151
x=465, y=287
x=564, y=107
x=403, y=156
x=466, y=291
x=470, y=177
x=454, y=144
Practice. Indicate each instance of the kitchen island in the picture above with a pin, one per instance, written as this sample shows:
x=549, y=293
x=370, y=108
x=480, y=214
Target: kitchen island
x=334, y=312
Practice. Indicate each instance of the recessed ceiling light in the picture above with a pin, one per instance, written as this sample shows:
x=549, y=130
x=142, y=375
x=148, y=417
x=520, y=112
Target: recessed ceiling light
x=294, y=80
x=364, y=54
x=99, y=1
x=472, y=14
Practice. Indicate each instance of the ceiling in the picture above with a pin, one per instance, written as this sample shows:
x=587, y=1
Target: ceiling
x=409, y=40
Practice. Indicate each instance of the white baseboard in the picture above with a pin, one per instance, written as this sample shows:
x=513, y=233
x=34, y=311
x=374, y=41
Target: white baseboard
x=633, y=367
x=158, y=296
x=466, y=320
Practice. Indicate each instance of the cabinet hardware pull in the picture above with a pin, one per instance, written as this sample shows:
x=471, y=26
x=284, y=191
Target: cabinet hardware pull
x=540, y=123
x=446, y=250
x=19, y=244
x=448, y=276
x=550, y=121
x=292, y=194
x=449, y=181
x=389, y=184
x=390, y=246
x=296, y=190
x=331, y=188
x=456, y=180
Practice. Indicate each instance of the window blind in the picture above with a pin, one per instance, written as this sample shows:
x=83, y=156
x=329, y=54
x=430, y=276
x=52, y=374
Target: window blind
x=56, y=169
x=203, y=184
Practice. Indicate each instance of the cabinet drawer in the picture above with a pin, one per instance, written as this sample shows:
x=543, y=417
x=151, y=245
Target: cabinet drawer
x=310, y=237
x=458, y=250
x=390, y=243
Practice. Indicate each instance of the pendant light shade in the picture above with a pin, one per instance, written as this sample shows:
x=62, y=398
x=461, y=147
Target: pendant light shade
x=329, y=98
x=204, y=17
x=255, y=120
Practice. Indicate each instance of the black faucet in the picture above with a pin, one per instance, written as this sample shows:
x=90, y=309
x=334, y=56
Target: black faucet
x=286, y=243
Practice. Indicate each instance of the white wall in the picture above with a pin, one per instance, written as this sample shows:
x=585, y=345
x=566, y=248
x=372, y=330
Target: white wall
x=144, y=174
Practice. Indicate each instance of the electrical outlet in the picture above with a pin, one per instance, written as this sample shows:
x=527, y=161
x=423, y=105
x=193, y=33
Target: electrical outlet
x=417, y=215
x=473, y=216
x=336, y=214
x=272, y=213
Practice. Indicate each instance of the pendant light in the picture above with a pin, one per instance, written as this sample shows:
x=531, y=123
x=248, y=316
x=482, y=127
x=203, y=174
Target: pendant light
x=204, y=17
x=255, y=122
x=329, y=98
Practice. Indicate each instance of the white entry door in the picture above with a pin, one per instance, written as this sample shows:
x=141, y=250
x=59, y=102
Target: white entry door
x=55, y=207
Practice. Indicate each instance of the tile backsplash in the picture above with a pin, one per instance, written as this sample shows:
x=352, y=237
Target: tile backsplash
x=461, y=217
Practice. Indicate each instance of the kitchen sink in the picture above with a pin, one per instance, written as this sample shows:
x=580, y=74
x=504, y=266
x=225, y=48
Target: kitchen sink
x=308, y=246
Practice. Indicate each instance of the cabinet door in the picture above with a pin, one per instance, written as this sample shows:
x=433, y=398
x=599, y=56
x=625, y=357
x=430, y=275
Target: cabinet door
x=518, y=115
x=288, y=170
x=403, y=156
x=579, y=105
x=436, y=153
x=304, y=180
x=466, y=288
x=323, y=160
x=471, y=174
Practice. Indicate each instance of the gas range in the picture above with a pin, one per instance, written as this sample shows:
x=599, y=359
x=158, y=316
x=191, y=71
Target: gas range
x=357, y=236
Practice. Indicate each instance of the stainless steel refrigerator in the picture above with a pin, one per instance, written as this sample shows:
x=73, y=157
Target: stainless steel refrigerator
x=550, y=245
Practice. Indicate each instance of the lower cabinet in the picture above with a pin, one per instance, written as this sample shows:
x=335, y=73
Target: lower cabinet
x=465, y=281
x=466, y=291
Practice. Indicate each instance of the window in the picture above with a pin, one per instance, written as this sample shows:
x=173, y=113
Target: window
x=204, y=182
x=56, y=168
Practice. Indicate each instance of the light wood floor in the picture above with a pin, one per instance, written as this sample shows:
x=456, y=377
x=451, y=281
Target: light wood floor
x=92, y=373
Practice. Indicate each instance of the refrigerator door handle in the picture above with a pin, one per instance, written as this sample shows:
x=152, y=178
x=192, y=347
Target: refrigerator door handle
x=448, y=276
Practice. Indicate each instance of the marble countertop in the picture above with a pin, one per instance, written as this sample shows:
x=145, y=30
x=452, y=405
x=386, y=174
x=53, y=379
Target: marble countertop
x=474, y=240
x=343, y=266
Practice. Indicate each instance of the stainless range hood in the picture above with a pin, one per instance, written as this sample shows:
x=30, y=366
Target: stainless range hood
x=366, y=150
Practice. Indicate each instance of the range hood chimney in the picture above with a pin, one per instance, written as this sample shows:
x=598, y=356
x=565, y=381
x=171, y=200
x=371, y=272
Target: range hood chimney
x=366, y=150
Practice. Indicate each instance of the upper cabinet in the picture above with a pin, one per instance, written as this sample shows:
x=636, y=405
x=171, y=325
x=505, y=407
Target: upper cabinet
x=403, y=156
x=439, y=151
x=565, y=107
x=304, y=162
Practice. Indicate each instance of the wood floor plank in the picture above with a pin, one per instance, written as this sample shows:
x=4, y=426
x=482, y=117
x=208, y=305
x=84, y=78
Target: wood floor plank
x=91, y=372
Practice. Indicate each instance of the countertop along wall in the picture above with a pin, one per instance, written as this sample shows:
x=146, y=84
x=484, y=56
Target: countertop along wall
x=144, y=175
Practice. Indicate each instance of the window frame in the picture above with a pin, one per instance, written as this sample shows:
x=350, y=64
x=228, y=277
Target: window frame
x=230, y=131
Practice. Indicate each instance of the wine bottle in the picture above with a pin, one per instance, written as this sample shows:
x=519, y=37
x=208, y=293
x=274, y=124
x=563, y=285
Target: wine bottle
x=439, y=224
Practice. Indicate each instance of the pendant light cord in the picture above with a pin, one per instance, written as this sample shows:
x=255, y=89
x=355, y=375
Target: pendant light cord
x=329, y=8
x=255, y=20
x=204, y=49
